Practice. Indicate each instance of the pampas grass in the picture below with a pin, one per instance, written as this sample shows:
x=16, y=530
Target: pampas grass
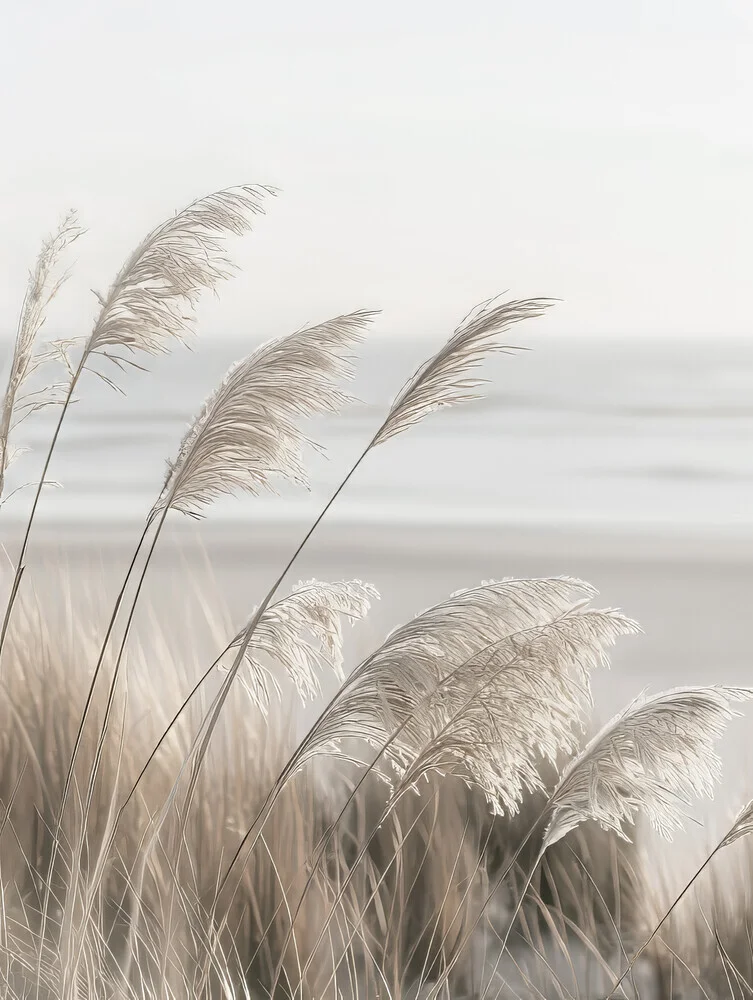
x=303, y=634
x=653, y=757
x=448, y=378
x=149, y=307
x=246, y=434
x=44, y=284
x=150, y=304
x=444, y=826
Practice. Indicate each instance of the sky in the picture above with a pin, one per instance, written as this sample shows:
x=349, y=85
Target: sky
x=429, y=155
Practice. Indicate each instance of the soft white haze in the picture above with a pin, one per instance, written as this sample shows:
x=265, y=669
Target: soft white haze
x=430, y=154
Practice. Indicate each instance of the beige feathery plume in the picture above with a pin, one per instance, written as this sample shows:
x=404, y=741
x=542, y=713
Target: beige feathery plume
x=653, y=757
x=447, y=378
x=246, y=432
x=152, y=300
x=43, y=286
x=399, y=687
x=523, y=703
x=742, y=826
x=303, y=633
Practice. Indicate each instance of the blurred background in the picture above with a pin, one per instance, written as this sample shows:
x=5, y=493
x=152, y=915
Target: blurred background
x=429, y=156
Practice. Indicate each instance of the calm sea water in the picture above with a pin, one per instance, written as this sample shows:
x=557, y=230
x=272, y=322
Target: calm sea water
x=635, y=432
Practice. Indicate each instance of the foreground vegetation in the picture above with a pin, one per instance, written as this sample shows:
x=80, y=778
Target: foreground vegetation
x=443, y=829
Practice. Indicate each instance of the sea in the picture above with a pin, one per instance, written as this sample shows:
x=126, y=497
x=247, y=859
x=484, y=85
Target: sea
x=652, y=433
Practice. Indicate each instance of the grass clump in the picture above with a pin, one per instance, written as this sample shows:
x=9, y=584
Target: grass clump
x=442, y=829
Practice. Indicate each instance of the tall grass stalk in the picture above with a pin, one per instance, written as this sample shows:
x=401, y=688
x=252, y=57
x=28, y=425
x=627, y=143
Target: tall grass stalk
x=26, y=359
x=145, y=310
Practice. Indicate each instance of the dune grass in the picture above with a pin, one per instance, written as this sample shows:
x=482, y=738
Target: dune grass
x=444, y=828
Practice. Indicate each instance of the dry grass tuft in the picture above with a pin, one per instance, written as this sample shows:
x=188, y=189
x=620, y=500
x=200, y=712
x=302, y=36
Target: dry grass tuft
x=441, y=829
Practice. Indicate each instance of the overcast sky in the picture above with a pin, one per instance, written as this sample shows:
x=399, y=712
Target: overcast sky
x=429, y=154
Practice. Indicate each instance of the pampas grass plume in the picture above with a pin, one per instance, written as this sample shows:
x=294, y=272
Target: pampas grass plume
x=447, y=378
x=246, y=433
x=43, y=286
x=653, y=757
x=151, y=303
x=303, y=633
